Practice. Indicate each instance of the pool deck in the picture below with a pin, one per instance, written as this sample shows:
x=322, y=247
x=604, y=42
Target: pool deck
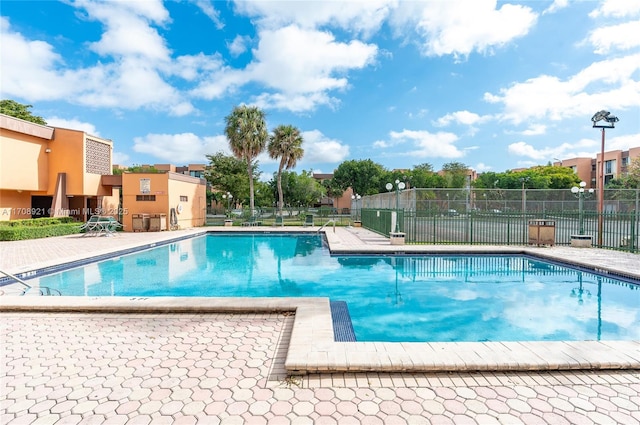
x=274, y=360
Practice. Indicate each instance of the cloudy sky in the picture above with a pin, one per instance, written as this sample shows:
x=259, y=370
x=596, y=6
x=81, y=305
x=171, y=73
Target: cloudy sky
x=492, y=84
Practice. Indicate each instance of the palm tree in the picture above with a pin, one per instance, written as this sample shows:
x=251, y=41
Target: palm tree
x=247, y=133
x=286, y=144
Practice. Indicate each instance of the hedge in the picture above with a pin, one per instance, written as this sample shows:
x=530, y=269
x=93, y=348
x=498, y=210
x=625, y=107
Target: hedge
x=37, y=222
x=17, y=233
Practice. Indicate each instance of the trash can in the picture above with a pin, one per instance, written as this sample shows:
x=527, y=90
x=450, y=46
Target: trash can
x=158, y=222
x=140, y=222
x=542, y=232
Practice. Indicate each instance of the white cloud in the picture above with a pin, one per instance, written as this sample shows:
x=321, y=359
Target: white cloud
x=358, y=16
x=462, y=117
x=120, y=158
x=428, y=145
x=319, y=149
x=616, y=9
x=564, y=150
x=181, y=148
x=239, y=45
x=615, y=37
x=461, y=27
x=482, y=167
x=608, y=83
x=321, y=65
x=535, y=130
x=319, y=60
x=73, y=124
x=555, y=6
x=207, y=8
x=129, y=76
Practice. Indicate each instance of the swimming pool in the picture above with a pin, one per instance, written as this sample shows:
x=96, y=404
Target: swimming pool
x=390, y=298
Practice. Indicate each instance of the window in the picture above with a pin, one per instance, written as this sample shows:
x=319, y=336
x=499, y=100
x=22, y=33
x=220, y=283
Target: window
x=151, y=198
x=609, y=166
x=625, y=161
x=184, y=198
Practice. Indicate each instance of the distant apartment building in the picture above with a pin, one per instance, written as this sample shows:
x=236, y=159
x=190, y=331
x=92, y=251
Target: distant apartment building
x=588, y=169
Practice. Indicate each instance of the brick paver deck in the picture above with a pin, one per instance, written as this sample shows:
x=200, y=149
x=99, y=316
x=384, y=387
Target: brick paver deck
x=209, y=368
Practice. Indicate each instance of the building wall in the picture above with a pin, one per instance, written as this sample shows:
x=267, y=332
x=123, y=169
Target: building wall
x=192, y=212
x=582, y=167
x=14, y=205
x=166, y=190
x=24, y=165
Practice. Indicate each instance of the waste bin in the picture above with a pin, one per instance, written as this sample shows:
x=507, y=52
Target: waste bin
x=542, y=232
x=140, y=222
x=158, y=222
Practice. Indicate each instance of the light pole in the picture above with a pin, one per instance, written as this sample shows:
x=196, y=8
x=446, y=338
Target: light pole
x=228, y=196
x=579, y=192
x=399, y=187
x=609, y=122
x=524, y=208
x=355, y=198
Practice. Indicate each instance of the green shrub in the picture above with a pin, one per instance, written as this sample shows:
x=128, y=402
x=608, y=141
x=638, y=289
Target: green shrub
x=18, y=233
x=37, y=222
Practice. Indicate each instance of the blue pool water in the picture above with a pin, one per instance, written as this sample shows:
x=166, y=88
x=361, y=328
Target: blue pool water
x=390, y=298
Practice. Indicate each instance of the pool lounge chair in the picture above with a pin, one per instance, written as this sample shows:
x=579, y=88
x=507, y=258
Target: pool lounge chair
x=98, y=225
x=308, y=220
x=90, y=225
x=279, y=221
x=253, y=221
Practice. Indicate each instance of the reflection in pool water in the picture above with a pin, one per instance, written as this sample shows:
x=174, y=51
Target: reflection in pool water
x=390, y=298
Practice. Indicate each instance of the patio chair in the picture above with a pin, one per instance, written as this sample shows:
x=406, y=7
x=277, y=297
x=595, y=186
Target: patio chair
x=90, y=226
x=308, y=220
x=253, y=221
x=279, y=221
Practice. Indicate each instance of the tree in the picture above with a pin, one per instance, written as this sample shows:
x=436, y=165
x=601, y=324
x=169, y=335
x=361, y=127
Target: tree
x=628, y=180
x=227, y=173
x=455, y=174
x=247, y=133
x=18, y=110
x=300, y=190
x=363, y=176
x=286, y=144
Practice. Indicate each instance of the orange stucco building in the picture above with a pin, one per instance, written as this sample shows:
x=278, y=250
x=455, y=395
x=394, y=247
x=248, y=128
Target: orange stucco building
x=51, y=172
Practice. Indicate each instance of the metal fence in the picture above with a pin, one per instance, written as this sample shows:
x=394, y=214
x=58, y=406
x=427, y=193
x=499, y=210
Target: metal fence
x=441, y=216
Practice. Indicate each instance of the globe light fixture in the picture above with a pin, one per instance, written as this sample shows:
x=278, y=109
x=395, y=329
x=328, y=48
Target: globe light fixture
x=579, y=192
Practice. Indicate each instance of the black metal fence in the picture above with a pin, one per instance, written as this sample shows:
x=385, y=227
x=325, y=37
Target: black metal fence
x=442, y=216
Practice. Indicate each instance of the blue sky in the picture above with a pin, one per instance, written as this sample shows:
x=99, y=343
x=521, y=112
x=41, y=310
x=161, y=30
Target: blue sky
x=494, y=85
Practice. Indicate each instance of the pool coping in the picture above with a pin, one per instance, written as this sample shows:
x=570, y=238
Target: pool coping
x=312, y=348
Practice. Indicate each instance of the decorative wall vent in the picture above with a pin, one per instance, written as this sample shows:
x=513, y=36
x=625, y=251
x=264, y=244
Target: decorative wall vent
x=98, y=157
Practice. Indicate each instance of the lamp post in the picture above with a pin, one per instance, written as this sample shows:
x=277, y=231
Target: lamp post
x=609, y=122
x=524, y=207
x=579, y=193
x=355, y=198
x=228, y=196
x=399, y=187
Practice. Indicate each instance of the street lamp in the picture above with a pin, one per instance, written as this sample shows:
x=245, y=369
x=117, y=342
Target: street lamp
x=228, y=196
x=609, y=122
x=399, y=187
x=355, y=198
x=579, y=193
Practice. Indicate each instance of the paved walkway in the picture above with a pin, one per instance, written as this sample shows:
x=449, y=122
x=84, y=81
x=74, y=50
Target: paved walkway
x=72, y=368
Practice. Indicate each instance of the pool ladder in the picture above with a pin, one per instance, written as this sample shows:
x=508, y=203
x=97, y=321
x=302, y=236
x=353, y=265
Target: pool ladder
x=325, y=225
x=44, y=290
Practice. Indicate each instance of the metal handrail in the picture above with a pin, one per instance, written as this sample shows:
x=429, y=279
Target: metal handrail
x=44, y=290
x=325, y=225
